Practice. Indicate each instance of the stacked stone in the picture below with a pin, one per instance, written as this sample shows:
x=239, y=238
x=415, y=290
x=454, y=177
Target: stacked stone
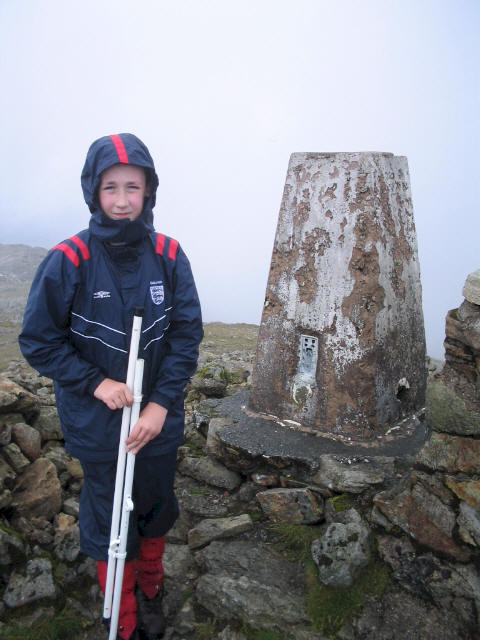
x=359, y=504
x=438, y=506
x=453, y=398
x=453, y=412
x=39, y=487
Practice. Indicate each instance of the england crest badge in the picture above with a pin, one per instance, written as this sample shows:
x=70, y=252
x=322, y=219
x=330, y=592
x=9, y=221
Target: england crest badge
x=157, y=292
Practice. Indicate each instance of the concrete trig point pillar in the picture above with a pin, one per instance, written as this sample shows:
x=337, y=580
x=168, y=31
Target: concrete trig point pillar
x=341, y=346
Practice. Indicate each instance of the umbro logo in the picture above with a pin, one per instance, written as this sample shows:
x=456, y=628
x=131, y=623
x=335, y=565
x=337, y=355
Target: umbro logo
x=101, y=294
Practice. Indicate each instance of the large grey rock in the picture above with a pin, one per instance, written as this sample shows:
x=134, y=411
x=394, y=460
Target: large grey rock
x=394, y=550
x=48, y=424
x=67, y=543
x=12, y=548
x=7, y=420
x=239, y=557
x=352, y=475
x=469, y=524
x=211, y=380
x=5, y=498
x=74, y=468
x=250, y=602
x=454, y=454
x=237, y=372
x=5, y=433
x=246, y=582
x=198, y=502
x=216, y=528
x=14, y=398
x=71, y=507
x=178, y=534
x=35, y=584
x=214, y=445
x=400, y=616
x=452, y=587
x=211, y=471
x=298, y=506
x=54, y=452
x=37, y=530
x=7, y=475
x=178, y=562
x=423, y=515
x=38, y=491
x=446, y=411
x=15, y=458
x=467, y=490
x=28, y=439
x=342, y=552
x=466, y=324
x=462, y=328
x=471, y=288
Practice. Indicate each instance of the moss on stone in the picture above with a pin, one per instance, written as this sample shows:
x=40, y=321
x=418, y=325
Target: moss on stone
x=205, y=372
x=13, y=533
x=341, y=502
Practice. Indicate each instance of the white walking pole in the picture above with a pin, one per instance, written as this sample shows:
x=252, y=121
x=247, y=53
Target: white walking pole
x=122, y=501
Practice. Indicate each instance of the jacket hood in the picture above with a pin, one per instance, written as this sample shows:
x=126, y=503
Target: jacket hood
x=123, y=148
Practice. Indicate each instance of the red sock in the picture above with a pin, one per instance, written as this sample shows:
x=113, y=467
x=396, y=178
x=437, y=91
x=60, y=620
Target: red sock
x=127, y=620
x=149, y=566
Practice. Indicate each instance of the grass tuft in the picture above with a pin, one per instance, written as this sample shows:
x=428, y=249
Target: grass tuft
x=63, y=626
x=295, y=540
x=207, y=630
x=330, y=608
x=265, y=635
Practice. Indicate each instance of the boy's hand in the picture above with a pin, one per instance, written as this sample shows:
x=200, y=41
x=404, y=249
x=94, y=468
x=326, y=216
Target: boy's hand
x=115, y=395
x=149, y=425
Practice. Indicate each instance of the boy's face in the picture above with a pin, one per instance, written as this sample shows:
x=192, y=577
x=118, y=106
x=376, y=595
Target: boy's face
x=122, y=191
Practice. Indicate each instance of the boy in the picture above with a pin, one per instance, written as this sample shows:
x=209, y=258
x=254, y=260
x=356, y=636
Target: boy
x=76, y=330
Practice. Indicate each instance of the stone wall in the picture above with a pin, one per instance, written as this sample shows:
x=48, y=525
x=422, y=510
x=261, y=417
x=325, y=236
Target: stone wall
x=415, y=518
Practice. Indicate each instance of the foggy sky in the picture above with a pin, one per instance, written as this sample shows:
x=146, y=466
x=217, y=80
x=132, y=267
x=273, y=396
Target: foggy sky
x=222, y=92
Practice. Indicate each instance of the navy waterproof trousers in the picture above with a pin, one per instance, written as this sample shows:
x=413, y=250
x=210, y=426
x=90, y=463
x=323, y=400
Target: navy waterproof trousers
x=155, y=505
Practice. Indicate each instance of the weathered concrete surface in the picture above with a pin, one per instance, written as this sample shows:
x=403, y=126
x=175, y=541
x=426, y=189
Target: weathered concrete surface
x=241, y=441
x=341, y=346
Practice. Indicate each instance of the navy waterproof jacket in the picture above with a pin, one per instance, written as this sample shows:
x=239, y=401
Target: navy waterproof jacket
x=78, y=319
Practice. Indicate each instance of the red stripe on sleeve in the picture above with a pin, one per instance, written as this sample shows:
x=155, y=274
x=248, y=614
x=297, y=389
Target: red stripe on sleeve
x=172, y=249
x=82, y=246
x=160, y=243
x=69, y=252
x=120, y=147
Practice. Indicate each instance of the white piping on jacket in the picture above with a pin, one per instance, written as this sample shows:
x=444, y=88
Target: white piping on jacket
x=105, y=326
x=155, y=339
x=154, y=323
x=95, y=338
